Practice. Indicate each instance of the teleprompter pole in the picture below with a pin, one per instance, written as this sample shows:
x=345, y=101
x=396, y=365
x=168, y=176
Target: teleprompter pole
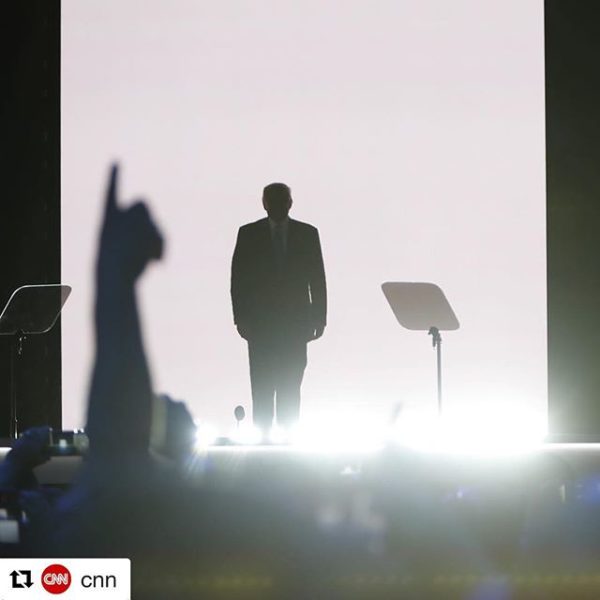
x=436, y=340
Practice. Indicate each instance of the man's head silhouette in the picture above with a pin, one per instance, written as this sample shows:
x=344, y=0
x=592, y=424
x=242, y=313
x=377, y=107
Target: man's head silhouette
x=277, y=201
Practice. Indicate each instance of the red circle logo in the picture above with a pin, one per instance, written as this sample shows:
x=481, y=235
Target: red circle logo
x=56, y=579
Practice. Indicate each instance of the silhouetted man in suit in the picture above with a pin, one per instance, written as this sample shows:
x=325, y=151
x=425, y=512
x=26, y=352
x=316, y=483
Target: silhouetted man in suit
x=279, y=302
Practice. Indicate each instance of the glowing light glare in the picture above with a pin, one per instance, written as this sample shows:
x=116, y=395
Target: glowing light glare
x=206, y=435
x=246, y=434
x=278, y=435
x=331, y=433
x=480, y=430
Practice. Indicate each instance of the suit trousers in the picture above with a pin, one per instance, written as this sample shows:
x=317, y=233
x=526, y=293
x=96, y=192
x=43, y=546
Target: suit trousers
x=277, y=364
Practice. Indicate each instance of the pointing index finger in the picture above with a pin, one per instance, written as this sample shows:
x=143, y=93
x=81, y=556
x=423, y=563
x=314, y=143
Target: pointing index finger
x=111, y=192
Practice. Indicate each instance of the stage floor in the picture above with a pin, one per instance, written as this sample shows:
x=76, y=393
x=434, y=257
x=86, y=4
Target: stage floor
x=560, y=462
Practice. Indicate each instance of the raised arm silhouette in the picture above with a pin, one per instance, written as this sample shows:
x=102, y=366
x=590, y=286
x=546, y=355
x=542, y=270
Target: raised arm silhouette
x=120, y=398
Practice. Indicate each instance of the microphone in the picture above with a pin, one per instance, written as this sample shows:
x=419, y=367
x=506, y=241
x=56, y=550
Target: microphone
x=240, y=414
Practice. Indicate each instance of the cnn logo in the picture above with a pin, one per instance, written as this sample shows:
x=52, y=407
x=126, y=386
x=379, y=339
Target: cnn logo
x=56, y=579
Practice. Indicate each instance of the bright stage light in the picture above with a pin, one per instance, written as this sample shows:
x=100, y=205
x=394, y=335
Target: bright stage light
x=485, y=429
x=477, y=429
x=206, y=435
x=278, y=435
x=246, y=434
x=339, y=432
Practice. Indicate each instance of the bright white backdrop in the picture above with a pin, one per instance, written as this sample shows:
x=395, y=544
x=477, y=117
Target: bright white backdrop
x=411, y=133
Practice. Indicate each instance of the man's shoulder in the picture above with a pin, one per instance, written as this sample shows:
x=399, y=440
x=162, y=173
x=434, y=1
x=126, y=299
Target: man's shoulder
x=248, y=227
x=304, y=227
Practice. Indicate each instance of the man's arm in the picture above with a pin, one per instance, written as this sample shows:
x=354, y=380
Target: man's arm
x=238, y=284
x=318, y=288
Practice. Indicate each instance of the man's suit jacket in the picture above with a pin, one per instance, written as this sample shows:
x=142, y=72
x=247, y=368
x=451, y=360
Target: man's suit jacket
x=266, y=298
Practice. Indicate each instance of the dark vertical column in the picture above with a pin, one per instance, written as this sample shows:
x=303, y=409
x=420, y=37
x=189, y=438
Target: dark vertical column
x=30, y=204
x=573, y=217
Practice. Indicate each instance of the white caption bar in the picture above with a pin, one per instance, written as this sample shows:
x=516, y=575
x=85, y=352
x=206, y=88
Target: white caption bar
x=68, y=578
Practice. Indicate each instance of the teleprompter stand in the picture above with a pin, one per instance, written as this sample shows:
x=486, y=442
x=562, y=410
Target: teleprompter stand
x=422, y=307
x=31, y=310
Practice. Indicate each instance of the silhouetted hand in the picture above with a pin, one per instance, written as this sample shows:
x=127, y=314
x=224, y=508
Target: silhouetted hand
x=36, y=506
x=244, y=331
x=317, y=332
x=129, y=238
x=31, y=449
x=178, y=426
